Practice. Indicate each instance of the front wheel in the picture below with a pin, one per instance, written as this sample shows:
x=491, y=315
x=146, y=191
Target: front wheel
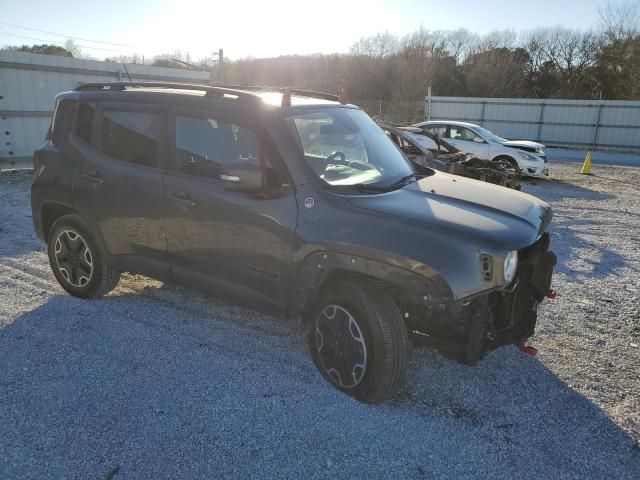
x=507, y=163
x=358, y=341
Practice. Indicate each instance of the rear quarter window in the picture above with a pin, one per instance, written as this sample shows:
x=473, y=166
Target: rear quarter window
x=62, y=120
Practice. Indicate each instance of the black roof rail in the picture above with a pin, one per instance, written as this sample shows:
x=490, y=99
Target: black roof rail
x=294, y=91
x=210, y=91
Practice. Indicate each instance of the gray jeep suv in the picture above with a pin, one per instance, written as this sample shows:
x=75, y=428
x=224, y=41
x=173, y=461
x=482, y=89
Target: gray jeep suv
x=293, y=203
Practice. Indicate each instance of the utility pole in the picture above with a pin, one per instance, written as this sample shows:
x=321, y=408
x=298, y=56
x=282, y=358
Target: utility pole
x=221, y=67
x=220, y=54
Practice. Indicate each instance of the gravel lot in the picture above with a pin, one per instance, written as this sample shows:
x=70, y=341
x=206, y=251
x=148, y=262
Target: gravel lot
x=157, y=382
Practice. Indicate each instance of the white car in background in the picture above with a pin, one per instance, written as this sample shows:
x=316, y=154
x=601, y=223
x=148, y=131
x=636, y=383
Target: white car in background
x=482, y=143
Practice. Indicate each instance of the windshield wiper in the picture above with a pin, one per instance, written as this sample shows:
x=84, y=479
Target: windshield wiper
x=369, y=188
x=401, y=182
x=360, y=187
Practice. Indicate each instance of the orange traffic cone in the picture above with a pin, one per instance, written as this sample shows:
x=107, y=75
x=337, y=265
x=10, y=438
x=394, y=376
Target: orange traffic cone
x=586, y=166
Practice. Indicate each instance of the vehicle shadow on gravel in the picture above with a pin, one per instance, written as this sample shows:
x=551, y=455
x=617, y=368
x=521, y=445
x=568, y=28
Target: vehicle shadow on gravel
x=130, y=383
x=516, y=403
x=579, y=228
x=582, y=257
x=553, y=189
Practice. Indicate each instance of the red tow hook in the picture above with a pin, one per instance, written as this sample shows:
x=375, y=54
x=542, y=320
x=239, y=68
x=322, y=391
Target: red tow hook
x=552, y=294
x=528, y=349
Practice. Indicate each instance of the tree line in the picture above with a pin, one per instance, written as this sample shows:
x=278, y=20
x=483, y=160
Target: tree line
x=549, y=62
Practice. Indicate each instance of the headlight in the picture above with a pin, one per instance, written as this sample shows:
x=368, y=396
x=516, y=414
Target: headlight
x=510, y=266
x=526, y=156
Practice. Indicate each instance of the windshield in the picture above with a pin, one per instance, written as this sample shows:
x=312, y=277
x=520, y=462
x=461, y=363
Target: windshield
x=345, y=147
x=489, y=135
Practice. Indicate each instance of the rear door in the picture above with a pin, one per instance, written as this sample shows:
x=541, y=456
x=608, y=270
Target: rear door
x=235, y=244
x=119, y=183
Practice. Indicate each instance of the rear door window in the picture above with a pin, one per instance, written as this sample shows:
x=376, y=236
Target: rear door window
x=203, y=145
x=131, y=136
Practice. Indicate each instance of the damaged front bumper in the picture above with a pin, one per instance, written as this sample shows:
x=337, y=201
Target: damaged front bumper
x=468, y=329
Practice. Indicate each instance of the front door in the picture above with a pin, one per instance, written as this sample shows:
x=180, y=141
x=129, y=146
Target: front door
x=119, y=182
x=236, y=245
x=467, y=141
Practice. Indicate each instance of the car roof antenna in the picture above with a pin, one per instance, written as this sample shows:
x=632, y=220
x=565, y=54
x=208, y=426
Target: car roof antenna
x=125, y=69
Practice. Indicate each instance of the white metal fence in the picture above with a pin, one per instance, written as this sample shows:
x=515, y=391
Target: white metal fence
x=29, y=82
x=601, y=124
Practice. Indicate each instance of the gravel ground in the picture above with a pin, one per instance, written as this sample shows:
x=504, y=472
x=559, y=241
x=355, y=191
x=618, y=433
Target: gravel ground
x=157, y=382
x=598, y=157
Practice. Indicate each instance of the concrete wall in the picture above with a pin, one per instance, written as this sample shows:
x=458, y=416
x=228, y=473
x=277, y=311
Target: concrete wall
x=603, y=124
x=29, y=82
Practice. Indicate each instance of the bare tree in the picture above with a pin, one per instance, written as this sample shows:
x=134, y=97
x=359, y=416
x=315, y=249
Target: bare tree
x=461, y=43
x=571, y=54
x=620, y=19
x=618, y=70
x=378, y=45
x=75, y=50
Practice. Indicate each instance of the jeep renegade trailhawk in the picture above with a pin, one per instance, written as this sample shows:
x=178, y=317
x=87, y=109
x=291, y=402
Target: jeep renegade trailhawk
x=293, y=203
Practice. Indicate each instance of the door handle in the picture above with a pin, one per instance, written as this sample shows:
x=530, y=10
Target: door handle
x=185, y=199
x=93, y=177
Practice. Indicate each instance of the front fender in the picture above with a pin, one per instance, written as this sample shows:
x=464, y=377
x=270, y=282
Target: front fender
x=420, y=285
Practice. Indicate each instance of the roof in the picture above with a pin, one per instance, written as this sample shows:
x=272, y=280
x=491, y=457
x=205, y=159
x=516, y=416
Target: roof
x=447, y=122
x=268, y=95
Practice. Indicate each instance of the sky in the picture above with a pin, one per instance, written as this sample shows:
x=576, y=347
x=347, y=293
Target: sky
x=249, y=28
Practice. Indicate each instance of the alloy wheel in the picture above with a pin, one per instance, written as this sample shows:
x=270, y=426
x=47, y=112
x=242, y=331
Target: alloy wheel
x=73, y=258
x=341, y=347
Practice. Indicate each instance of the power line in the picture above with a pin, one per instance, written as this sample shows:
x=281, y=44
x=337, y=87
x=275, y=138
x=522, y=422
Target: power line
x=62, y=44
x=67, y=36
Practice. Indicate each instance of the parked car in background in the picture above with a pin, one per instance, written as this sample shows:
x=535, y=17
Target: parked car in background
x=470, y=138
x=418, y=145
x=296, y=204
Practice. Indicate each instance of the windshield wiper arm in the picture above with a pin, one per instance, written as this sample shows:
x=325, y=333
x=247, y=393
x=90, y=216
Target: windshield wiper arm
x=368, y=188
x=401, y=182
x=360, y=187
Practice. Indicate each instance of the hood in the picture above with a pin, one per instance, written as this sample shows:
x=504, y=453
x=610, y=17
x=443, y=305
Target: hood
x=463, y=206
x=522, y=143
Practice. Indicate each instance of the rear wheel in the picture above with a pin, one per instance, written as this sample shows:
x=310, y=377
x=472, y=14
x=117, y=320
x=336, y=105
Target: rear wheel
x=358, y=341
x=76, y=260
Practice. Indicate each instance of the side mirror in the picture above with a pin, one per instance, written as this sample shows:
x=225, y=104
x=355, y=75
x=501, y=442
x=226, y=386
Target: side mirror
x=478, y=140
x=242, y=177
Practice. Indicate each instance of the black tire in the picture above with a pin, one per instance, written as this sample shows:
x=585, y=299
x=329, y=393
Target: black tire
x=508, y=160
x=384, y=335
x=102, y=277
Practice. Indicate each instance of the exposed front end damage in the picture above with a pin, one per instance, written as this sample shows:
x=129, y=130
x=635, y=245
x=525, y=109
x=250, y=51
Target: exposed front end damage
x=447, y=158
x=467, y=329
